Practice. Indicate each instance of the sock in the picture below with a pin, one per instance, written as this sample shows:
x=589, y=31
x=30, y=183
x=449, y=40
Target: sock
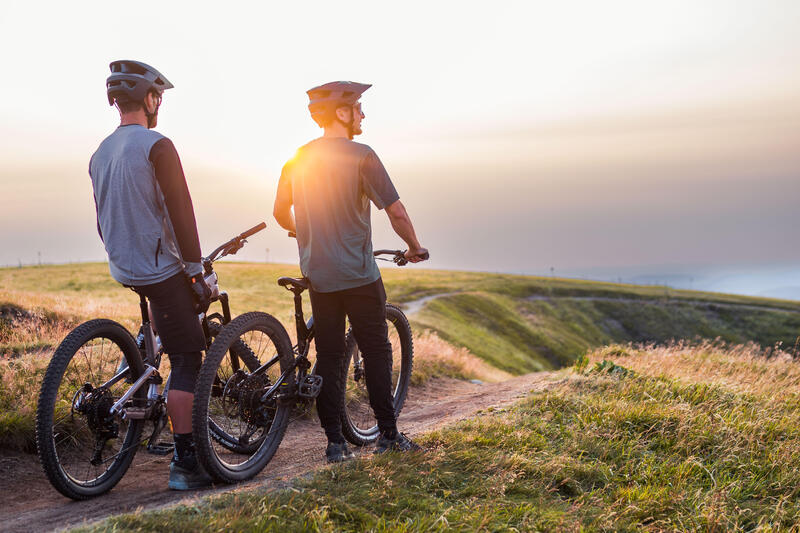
x=184, y=448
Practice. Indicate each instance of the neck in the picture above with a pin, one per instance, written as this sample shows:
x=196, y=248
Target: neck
x=137, y=117
x=335, y=131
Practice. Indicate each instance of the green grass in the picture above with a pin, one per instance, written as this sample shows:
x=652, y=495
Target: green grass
x=530, y=334
x=605, y=449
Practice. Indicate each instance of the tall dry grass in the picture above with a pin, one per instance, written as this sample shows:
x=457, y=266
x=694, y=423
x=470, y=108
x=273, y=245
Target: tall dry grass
x=20, y=379
x=743, y=368
x=434, y=357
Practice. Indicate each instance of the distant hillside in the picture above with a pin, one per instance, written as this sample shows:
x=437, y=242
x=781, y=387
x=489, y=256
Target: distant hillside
x=524, y=323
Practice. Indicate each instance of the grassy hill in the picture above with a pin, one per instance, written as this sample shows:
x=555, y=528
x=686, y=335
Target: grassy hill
x=702, y=438
x=688, y=436
x=514, y=324
x=546, y=332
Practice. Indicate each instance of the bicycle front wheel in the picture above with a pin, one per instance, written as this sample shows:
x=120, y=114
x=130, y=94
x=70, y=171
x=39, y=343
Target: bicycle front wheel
x=83, y=448
x=240, y=356
x=235, y=432
x=358, y=420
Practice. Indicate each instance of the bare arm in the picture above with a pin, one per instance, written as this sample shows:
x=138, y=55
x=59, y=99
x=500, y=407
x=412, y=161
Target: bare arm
x=282, y=211
x=401, y=223
x=97, y=216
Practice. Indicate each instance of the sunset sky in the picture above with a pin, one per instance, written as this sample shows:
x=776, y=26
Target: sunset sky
x=615, y=139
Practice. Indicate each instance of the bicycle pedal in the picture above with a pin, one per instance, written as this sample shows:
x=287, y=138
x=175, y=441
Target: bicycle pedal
x=162, y=448
x=310, y=387
x=136, y=413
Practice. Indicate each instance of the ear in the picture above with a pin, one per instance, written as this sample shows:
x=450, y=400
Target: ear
x=344, y=113
x=150, y=102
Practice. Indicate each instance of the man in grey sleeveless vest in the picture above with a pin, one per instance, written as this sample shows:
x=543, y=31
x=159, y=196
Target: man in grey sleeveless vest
x=146, y=221
x=331, y=182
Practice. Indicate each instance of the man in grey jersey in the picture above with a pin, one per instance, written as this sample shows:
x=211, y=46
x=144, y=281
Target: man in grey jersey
x=146, y=221
x=331, y=182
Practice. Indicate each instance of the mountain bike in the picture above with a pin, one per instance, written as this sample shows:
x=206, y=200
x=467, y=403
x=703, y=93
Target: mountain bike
x=101, y=387
x=239, y=423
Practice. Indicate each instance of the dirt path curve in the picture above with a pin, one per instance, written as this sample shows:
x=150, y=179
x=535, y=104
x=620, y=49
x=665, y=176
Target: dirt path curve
x=414, y=306
x=29, y=503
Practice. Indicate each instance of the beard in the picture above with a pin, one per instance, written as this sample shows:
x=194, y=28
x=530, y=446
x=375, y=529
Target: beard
x=152, y=120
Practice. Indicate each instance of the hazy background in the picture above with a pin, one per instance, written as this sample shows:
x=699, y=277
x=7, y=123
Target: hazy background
x=654, y=142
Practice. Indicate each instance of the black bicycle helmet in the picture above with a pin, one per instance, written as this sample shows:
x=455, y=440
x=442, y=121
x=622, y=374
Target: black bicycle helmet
x=324, y=100
x=130, y=80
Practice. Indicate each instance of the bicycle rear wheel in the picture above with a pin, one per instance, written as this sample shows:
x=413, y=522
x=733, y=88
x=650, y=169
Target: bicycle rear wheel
x=235, y=433
x=358, y=420
x=83, y=449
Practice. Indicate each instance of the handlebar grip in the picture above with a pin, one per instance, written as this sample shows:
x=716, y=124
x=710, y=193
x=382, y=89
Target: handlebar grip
x=425, y=256
x=253, y=230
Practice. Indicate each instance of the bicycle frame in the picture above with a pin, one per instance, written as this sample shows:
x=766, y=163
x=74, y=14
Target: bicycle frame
x=305, y=333
x=152, y=345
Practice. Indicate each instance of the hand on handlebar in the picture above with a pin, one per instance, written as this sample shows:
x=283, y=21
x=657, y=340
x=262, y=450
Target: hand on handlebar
x=415, y=255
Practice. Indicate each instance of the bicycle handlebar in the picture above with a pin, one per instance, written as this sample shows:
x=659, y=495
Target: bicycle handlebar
x=232, y=246
x=252, y=231
x=399, y=256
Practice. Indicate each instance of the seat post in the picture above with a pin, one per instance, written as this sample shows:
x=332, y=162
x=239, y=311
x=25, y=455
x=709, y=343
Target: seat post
x=143, y=308
x=298, y=307
x=299, y=320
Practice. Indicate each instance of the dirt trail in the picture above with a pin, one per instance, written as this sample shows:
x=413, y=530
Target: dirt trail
x=29, y=503
x=414, y=306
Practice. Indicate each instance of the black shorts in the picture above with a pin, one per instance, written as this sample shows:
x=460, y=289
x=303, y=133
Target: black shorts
x=174, y=318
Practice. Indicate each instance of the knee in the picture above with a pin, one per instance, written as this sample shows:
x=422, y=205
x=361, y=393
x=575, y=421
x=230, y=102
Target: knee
x=185, y=367
x=330, y=350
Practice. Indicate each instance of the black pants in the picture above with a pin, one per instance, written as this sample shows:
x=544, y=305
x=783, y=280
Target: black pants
x=366, y=308
x=181, y=334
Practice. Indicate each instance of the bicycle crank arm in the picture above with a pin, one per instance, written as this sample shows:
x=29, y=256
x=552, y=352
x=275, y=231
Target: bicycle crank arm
x=153, y=446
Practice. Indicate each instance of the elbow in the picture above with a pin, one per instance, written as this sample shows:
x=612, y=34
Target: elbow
x=282, y=217
x=278, y=215
x=396, y=211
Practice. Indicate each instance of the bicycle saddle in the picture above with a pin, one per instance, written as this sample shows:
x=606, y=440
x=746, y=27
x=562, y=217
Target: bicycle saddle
x=299, y=283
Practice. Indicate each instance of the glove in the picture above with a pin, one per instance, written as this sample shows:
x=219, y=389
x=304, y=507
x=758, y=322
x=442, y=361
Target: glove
x=200, y=291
